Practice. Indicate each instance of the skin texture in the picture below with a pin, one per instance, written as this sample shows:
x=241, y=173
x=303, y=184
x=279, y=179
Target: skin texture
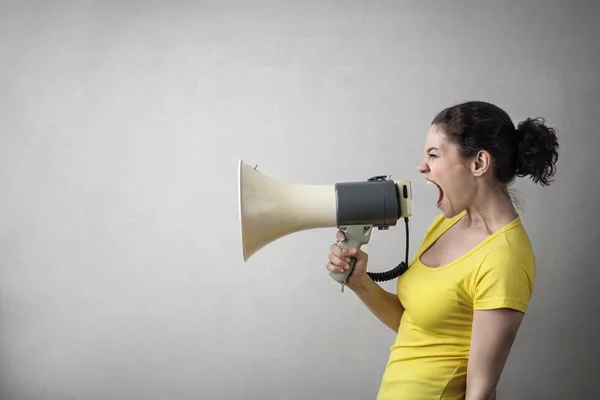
x=464, y=184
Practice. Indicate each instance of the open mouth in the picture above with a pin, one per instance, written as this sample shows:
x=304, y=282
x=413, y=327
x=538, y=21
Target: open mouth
x=440, y=191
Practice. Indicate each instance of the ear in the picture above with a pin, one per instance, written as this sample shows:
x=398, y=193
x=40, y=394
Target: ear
x=482, y=162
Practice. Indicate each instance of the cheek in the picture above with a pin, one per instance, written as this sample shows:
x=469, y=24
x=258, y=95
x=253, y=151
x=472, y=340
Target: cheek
x=457, y=184
x=447, y=172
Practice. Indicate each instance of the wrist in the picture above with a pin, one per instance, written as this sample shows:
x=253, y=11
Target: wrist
x=361, y=284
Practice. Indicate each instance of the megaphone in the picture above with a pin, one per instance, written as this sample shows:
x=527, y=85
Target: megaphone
x=270, y=209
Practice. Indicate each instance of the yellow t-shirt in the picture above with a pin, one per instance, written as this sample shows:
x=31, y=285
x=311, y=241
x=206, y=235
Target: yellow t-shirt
x=429, y=358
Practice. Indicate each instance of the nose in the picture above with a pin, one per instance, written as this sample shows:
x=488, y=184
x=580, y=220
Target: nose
x=423, y=167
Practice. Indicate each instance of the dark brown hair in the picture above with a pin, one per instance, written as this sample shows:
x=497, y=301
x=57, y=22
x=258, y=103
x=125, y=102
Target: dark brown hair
x=528, y=150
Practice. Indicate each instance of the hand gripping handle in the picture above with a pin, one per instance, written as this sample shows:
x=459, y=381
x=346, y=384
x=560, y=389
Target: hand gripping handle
x=356, y=236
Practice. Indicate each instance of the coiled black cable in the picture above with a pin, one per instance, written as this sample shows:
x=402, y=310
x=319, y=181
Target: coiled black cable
x=398, y=270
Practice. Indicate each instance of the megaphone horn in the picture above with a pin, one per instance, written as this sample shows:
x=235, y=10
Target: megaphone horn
x=270, y=209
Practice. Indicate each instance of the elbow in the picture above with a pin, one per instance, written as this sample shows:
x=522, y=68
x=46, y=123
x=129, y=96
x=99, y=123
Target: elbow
x=481, y=391
x=397, y=320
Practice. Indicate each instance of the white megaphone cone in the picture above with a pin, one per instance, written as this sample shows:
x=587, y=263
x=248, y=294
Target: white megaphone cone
x=270, y=209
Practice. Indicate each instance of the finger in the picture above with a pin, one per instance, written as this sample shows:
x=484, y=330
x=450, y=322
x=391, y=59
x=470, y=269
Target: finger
x=335, y=249
x=354, y=252
x=348, y=252
x=334, y=268
x=339, y=262
x=340, y=236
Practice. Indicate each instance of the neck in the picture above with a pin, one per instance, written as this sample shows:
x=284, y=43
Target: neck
x=491, y=209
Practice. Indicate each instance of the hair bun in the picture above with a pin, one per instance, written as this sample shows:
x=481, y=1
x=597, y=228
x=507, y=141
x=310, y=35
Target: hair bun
x=537, y=150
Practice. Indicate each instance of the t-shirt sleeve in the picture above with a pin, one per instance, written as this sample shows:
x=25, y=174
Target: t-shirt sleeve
x=504, y=280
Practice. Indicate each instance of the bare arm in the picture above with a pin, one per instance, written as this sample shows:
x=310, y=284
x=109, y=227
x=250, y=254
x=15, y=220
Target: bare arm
x=383, y=304
x=493, y=335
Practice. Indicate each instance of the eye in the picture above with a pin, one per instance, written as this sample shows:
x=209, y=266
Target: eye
x=432, y=155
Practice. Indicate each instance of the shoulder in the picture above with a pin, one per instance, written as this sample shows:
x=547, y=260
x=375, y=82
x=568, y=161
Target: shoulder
x=506, y=274
x=507, y=260
x=510, y=251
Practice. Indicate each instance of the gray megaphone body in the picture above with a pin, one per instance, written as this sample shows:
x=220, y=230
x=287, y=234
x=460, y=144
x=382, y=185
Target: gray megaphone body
x=270, y=209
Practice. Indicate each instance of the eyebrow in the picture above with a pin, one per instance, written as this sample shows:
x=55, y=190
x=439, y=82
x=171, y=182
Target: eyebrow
x=431, y=148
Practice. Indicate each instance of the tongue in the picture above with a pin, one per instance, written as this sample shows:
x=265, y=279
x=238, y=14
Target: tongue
x=441, y=195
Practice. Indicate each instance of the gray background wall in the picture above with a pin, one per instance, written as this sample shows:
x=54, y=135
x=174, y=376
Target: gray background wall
x=121, y=125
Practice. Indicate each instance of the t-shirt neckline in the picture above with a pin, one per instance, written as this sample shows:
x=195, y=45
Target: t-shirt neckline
x=508, y=226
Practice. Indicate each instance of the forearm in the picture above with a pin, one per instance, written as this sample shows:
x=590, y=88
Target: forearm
x=383, y=304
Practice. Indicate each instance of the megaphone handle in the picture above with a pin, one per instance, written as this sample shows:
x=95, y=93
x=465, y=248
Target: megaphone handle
x=356, y=236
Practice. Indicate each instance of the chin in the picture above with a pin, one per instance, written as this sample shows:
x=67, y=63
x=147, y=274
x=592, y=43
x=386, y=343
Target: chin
x=448, y=214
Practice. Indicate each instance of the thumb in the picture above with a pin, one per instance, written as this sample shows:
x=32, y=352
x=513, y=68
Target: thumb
x=356, y=253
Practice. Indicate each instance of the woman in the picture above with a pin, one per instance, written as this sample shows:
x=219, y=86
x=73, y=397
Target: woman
x=460, y=304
